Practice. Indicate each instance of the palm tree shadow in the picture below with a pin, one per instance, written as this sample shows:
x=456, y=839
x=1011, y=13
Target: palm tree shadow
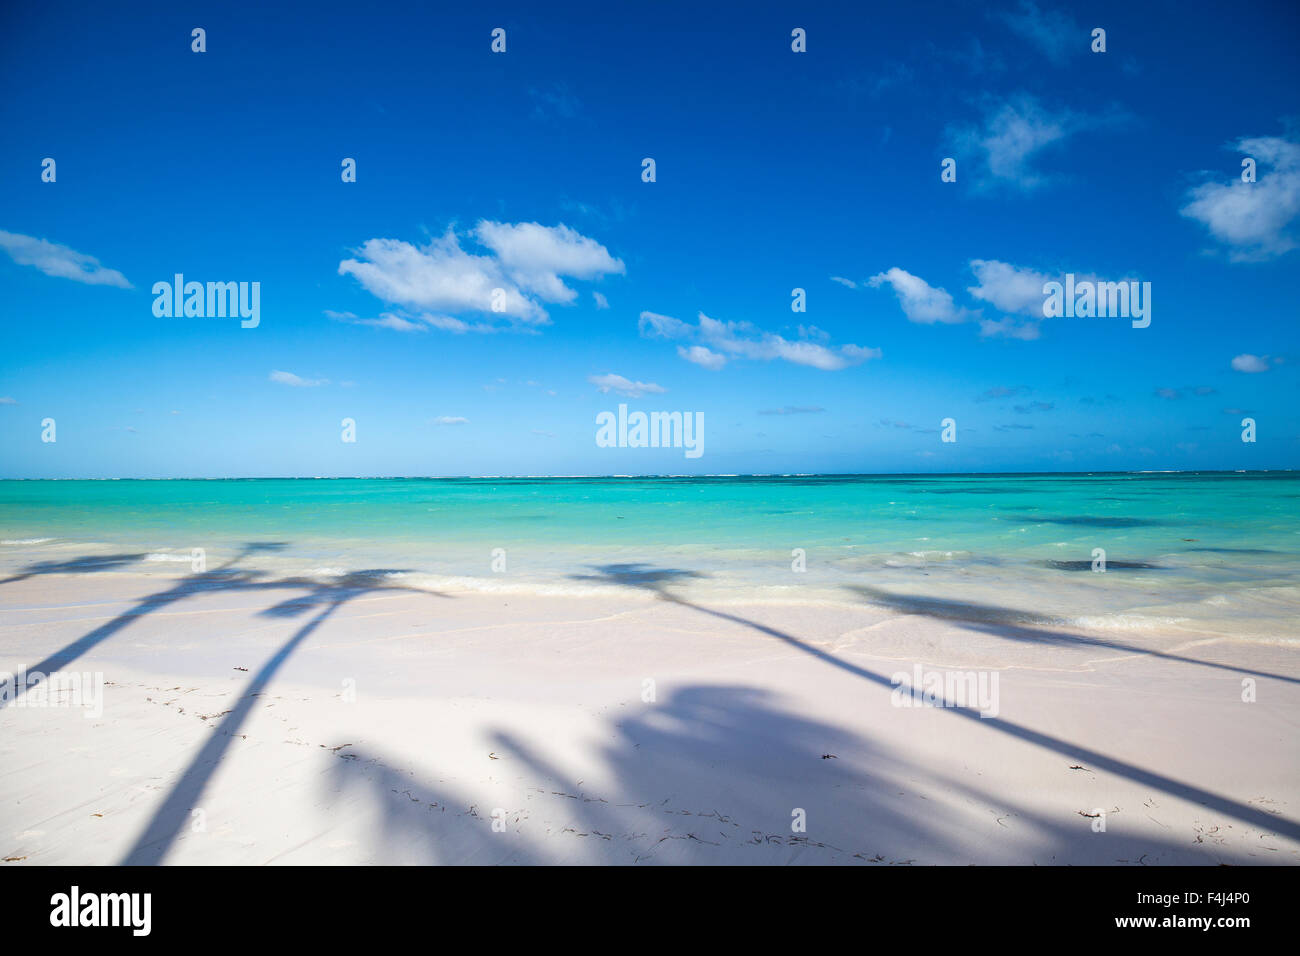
x=1017, y=625
x=82, y=565
x=424, y=823
x=637, y=574
x=1268, y=822
x=716, y=774
x=161, y=831
x=228, y=576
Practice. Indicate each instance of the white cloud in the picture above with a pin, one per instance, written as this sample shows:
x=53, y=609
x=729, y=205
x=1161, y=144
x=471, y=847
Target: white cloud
x=288, y=378
x=742, y=340
x=59, y=261
x=1054, y=33
x=702, y=356
x=1014, y=131
x=1009, y=329
x=601, y=301
x=386, y=320
x=526, y=261
x=450, y=420
x=1009, y=289
x=849, y=283
x=652, y=325
x=617, y=383
x=721, y=341
x=1250, y=363
x=536, y=256
x=8, y=400
x=1254, y=220
x=921, y=301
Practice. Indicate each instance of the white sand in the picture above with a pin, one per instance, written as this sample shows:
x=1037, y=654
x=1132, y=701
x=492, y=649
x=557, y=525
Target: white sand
x=531, y=708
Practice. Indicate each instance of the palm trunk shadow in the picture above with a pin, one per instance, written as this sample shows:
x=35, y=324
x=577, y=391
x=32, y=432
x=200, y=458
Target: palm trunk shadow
x=1268, y=822
x=159, y=835
x=157, y=838
x=1007, y=623
x=226, y=577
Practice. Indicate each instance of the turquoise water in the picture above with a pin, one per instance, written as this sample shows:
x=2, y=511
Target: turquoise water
x=1200, y=548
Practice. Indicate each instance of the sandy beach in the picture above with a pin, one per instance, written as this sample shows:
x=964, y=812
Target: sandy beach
x=250, y=719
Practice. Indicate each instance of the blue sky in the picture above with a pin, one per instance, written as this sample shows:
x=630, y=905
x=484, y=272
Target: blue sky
x=522, y=171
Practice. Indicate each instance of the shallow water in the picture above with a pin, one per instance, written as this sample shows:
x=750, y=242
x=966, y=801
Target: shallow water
x=1214, y=552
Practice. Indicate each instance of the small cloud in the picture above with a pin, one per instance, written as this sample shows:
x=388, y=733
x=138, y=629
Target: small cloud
x=288, y=378
x=8, y=400
x=1054, y=33
x=386, y=320
x=1250, y=363
x=702, y=356
x=920, y=301
x=617, y=383
x=1009, y=289
x=848, y=283
x=1170, y=394
x=601, y=301
x=1014, y=132
x=722, y=341
x=1032, y=407
x=1255, y=221
x=447, y=323
x=1002, y=391
x=652, y=325
x=556, y=102
x=449, y=420
x=59, y=261
x=1009, y=329
x=793, y=410
x=522, y=270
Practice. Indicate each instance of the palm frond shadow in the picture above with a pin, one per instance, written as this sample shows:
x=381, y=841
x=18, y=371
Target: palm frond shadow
x=715, y=774
x=1026, y=626
x=1268, y=822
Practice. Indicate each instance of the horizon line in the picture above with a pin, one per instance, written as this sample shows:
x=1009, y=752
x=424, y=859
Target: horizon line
x=664, y=475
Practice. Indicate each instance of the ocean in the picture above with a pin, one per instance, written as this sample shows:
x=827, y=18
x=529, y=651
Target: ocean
x=1215, y=553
